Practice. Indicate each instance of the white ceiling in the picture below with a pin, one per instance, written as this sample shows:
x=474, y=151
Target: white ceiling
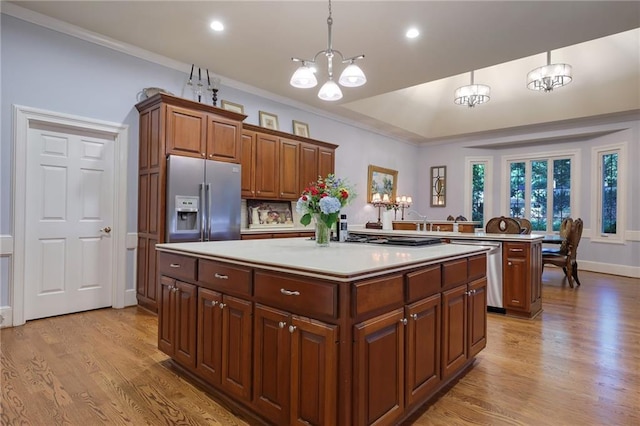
x=409, y=93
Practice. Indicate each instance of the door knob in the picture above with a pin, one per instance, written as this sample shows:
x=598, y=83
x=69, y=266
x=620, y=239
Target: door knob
x=106, y=229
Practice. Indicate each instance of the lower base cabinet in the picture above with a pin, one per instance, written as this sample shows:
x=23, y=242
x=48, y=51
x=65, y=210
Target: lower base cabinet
x=224, y=342
x=177, y=321
x=295, y=368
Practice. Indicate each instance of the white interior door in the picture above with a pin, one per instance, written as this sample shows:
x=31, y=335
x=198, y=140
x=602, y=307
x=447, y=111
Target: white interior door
x=68, y=219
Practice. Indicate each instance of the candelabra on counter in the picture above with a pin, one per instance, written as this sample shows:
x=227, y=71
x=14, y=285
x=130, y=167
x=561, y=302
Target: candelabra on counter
x=378, y=202
x=403, y=202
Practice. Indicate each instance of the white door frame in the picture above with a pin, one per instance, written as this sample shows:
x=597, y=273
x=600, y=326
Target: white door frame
x=23, y=117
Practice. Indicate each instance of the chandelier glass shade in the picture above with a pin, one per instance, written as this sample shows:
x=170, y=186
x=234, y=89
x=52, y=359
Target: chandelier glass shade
x=472, y=94
x=550, y=76
x=352, y=76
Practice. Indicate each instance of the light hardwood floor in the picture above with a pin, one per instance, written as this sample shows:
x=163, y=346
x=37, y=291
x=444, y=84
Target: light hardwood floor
x=578, y=363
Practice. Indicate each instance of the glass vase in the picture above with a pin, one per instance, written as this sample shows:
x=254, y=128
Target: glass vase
x=323, y=232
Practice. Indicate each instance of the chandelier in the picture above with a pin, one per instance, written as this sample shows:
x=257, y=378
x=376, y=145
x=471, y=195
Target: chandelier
x=472, y=94
x=352, y=76
x=550, y=76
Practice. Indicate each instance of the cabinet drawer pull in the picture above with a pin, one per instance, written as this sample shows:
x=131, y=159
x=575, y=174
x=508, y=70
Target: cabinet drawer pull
x=403, y=321
x=282, y=324
x=289, y=292
x=220, y=276
x=414, y=316
x=292, y=328
x=222, y=305
x=516, y=250
x=174, y=265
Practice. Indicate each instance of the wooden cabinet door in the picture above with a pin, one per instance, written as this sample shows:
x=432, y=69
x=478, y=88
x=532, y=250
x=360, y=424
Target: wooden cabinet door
x=248, y=163
x=289, y=169
x=515, y=284
x=314, y=372
x=236, y=347
x=271, y=364
x=186, y=299
x=186, y=132
x=209, y=335
x=477, y=305
x=423, y=348
x=267, y=166
x=309, y=163
x=378, y=369
x=454, y=330
x=326, y=161
x=166, y=316
x=223, y=139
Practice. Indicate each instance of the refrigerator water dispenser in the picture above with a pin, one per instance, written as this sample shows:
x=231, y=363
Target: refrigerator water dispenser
x=186, y=213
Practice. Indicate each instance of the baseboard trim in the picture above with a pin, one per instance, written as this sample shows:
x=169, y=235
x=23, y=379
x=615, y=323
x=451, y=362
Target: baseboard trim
x=6, y=316
x=608, y=268
x=130, y=298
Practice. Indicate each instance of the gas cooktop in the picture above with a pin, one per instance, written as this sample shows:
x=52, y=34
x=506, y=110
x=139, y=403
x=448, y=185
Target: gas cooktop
x=393, y=241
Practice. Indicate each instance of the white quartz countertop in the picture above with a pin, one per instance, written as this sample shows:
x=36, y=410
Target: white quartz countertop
x=479, y=236
x=338, y=262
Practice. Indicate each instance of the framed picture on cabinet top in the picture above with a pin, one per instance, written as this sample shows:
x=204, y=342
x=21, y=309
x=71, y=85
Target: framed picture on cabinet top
x=230, y=106
x=438, y=186
x=268, y=120
x=383, y=182
x=300, y=128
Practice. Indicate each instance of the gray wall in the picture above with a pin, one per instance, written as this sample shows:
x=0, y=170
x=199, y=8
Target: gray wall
x=45, y=69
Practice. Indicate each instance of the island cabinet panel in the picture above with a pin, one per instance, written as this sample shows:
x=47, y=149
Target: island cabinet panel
x=522, y=282
x=378, y=364
x=177, y=321
x=423, y=283
x=295, y=368
x=454, y=330
x=377, y=294
x=224, y=277
x=224, y=342
x=477, y=305
x=423, y=333
x=296, y=294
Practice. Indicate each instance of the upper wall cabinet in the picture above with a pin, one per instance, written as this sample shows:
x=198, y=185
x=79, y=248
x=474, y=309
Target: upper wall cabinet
x=194, y=129
x=277, y=165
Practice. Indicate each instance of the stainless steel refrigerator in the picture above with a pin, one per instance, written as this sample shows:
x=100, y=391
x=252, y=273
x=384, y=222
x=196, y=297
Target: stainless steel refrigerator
x=203, y=200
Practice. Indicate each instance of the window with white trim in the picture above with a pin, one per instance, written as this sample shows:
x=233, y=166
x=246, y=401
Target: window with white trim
x=609, y=201
x=477, y=195
x=540, y=190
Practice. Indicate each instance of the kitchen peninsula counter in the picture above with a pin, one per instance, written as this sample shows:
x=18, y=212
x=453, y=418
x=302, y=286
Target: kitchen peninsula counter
x=287, y=332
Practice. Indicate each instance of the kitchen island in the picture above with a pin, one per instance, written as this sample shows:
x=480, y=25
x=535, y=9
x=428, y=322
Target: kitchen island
x=353, y=334
x=514, y=269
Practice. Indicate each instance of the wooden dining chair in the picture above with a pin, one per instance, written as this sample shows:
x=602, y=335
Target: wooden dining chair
x=566, y=257
x=525, y=225
x=502, y=225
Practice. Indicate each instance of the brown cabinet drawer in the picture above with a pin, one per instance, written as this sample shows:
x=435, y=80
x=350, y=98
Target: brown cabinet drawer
x=177, y=266
x=454, y=273
x=297, y=295
x=224, y=277
x=477, y=267
x=423, y=283
x=377, y=293
x=517, y=250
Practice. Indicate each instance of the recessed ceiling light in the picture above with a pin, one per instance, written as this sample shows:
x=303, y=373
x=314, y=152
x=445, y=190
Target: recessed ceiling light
x=216, y=26
x=412, y=33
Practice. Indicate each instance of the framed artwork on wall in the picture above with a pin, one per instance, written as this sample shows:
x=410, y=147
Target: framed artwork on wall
x=300, y=128
x=268, y=120
x=382, y=181
x=438, y=186
x=230, y=106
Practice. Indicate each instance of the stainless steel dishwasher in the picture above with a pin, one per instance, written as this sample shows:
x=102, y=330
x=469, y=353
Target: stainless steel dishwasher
x=494, y=271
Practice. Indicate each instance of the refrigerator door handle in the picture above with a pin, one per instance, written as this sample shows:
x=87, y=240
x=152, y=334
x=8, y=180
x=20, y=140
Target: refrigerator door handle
x=207, y=203
x=203, y=213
